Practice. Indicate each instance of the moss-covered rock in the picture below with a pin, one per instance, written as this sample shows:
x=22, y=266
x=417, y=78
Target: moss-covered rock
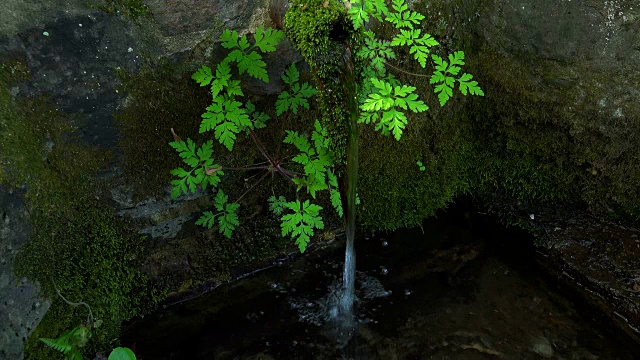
x=323, y=33
x=76, y=242
x=558, y=123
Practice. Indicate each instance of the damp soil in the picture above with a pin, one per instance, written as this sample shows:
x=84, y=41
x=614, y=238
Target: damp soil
x=459, y=287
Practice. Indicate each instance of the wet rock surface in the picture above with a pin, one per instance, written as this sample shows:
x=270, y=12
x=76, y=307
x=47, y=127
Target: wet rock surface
x=493, y=306
x=598, y=259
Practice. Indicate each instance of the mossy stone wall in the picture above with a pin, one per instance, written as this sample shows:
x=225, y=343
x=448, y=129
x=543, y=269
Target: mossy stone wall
x=560, y=122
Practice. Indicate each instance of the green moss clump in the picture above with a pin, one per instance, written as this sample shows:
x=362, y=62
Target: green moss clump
x=322, y=32
x=133, y=9
x=517, y=144
x=394, y=192
x=539, y=153
x=160, y=97
x=90, y=259
x=76, y=242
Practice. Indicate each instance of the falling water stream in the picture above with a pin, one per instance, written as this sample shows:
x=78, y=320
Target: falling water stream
x=349, y=276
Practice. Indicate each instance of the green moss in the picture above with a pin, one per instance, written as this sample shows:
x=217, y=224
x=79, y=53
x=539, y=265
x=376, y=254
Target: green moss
x=160, y=97
x=321, y=31
x=133, y=9
x=75, y=242
x=103, y=274
x=539, y=152
x=518, y=143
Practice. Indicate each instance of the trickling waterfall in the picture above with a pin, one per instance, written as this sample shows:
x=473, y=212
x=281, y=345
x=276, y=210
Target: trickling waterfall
x=349, y=275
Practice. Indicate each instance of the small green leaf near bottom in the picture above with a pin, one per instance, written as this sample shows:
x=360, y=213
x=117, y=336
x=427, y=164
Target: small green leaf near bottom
x=121, y=353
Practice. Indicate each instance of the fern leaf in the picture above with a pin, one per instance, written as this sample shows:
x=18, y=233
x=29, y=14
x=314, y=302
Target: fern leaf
x=276, y=205
x=336, y=201
x=59, y=345
x=229, y=39
x=402, y=17
x=203, y=76
x=471, y=86
x=267, y=40
x=291, y=75
x=203, y=171
x=207, y=219
x=229, y=219
x=301, y=223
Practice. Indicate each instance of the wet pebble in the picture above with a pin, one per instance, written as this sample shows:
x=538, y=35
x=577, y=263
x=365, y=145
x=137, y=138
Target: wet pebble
x=385, y=243
x=542, y=347
x=407, y=292
x=384, y=271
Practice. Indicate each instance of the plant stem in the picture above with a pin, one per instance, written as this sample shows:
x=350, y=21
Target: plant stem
x=252, y=186
x=404, y=71
x=81, y=303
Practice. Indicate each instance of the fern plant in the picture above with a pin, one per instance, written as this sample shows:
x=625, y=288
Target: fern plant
x=69, y=342
x=383, y=101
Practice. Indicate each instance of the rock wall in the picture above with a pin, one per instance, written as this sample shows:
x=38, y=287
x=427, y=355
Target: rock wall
x=559, y=122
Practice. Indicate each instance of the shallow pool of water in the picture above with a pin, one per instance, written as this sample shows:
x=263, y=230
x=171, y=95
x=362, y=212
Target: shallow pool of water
x=459, y=288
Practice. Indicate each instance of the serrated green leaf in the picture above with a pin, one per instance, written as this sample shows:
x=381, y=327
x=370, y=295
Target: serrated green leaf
x=336, y=202
x=229, y=220
x=208, y=220
x=301, y=223
x=291, y=75
x=229, y=39
x=267, y=40
x=203, y=76
x=276, y=205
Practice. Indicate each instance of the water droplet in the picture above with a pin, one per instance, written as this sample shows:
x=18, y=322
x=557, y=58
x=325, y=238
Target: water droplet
x=385, y=243
x=384, y=271
x=275, y=286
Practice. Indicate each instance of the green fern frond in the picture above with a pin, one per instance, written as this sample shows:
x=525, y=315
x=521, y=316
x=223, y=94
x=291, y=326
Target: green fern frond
x=203, y=171
x=68, y=342
x=385, y=100
x=258, y=118
x=360, y=11
x=276, y=205
x=227, y=215
x=227, y=118
x=60, y=344
x=315, y=158
x=298, y=94
x=402, y=17
x=243, y=53
x=301, y=223
x=446, y=82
